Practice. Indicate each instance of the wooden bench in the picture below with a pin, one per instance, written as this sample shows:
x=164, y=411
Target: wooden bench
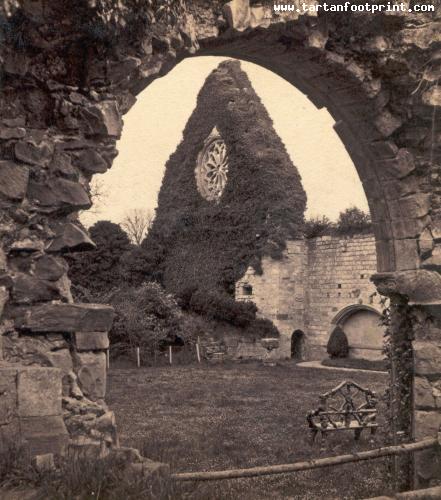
x=346, y=407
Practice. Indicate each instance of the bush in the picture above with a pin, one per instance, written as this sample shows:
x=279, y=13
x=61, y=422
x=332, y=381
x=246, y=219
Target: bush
x=338, y=346
x=350, y=222
x=318, y=226
x=222, y=307
x=146, y=317
x=16, y=468
x=353, y=221
x=262, y=328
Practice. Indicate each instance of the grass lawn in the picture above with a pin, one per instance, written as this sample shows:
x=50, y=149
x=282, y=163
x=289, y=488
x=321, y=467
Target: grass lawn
x=214, y=417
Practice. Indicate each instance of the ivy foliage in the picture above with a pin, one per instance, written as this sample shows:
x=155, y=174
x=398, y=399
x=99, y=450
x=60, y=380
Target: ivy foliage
x=196, y=246
x=100, y=269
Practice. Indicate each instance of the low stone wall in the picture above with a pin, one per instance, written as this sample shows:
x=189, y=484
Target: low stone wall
x=236, y=347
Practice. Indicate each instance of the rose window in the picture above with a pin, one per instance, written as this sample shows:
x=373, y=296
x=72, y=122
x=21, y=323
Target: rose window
x=212, y=167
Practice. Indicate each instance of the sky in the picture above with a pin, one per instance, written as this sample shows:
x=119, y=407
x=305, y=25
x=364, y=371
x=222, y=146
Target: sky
x=153, y=129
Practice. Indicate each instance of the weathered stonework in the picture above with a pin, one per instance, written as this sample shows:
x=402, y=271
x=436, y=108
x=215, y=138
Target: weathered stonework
x=318, y=284
x=69, y=73
x=24, y=413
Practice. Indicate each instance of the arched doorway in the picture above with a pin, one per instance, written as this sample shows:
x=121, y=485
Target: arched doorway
x=364, y=331
x=298, y=345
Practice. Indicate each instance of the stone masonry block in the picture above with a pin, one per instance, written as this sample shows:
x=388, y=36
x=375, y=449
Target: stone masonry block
x=238, y=14
x=424, y=399
x=39, y=392
x=8, y=395
x=385, y=255
x=91, y=372
x=427, y=424
x=91, y=341
x=427, y=357
x=406, y=254
x=13, y=180
x=9, y=434
x=45, y=434
x=68, y=318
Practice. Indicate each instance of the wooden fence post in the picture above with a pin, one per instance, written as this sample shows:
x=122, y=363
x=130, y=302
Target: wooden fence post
x=198, y=354
x=138, y=358
x=170, y=354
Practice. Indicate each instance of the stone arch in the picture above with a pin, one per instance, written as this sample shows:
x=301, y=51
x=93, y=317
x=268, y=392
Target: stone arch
x=69, y=75
x=363, y=329
x=347, y=311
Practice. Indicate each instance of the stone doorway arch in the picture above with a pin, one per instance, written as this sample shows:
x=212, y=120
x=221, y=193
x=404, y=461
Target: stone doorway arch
x=363, y=328
x=70, y=74
x=298, y=345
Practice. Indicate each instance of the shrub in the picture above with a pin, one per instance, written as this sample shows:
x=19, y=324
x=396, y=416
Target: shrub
x=338, y=346
x=262, y=328
x=222, y=307
x=353, y=221
x=145, y=317
x=16, y=468
x=318, y=226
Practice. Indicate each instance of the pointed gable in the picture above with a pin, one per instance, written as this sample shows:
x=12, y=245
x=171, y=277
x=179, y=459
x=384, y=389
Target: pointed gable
x=230, y=192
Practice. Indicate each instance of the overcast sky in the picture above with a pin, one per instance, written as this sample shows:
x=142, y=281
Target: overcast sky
x=153, y=129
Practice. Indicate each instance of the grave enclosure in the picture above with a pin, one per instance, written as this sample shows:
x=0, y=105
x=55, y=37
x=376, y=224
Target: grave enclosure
x=69, y=74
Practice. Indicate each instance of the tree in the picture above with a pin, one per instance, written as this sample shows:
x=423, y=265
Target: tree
x=99, y=270
x=353, y=221
x=146, y=317
x=136, y=223
x=318, y=226
x=98, y=195
x=338, y=346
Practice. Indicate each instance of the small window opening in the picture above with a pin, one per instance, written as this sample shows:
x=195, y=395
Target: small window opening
x=247, y=290
x=339, y=285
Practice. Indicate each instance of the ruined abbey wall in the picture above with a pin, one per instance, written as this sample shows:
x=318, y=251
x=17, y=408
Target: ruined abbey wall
x=306, y=290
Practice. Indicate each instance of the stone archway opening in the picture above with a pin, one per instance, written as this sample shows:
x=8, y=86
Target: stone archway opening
x=298, y=345
x=69, y=81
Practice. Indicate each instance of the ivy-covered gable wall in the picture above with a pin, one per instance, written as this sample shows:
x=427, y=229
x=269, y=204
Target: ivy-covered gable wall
x=208, y=245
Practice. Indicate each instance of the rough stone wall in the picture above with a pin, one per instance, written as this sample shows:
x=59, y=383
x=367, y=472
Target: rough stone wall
x=339, y=272
x=238, y=347
x=314, y=281
x=279, y=292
